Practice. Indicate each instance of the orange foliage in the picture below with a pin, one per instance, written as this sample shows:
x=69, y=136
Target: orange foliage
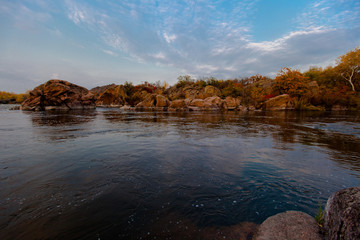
x=291, y=82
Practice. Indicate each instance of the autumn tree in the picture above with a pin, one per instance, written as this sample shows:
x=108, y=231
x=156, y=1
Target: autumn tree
x=349, y=67
x=291, y=82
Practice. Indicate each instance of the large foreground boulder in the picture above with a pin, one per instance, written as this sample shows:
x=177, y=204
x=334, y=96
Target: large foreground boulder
x=60, y=95
x=290, y=225
x=342, y=214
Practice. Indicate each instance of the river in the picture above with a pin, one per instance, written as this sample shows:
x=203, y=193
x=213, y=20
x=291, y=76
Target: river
x=110, y=174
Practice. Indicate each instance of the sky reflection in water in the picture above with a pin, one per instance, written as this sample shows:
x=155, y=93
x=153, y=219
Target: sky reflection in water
x=108, y=173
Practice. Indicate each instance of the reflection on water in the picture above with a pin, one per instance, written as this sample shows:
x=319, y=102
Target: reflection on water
x=111, y=174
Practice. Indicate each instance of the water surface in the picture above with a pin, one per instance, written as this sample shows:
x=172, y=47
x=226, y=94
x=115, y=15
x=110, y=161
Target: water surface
x=110, y=174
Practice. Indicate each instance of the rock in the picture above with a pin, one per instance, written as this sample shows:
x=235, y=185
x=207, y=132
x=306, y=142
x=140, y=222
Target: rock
x=232, y=103
x=161, y=101
x=101, y=89
x=147, y=104
x=212, y=91
x=214, y=103
x=127, y=108
x=290, y=225
x=281, y=102
x=114, y=96
x=153, y=102
x=338, y=107
x=200, y=103
x=178, y=105
x=342, y=214
x=242, y=108
x=191, y=92
x=59, y=94
x=15, y=108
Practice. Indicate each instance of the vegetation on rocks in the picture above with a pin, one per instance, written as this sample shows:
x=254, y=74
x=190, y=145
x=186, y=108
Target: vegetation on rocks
x=9, y=97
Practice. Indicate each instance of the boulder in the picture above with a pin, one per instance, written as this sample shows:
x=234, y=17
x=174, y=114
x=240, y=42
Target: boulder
x=232, y=103
x=147, y=104
x=290, y=225
x=127, y=108
x=178, y=105
x=59, y=95
x=200, y=103
x=17, y=107
x=342, y=214
x=161, y=101
x=112, y=97
x=214, y=103
x=281, y=102
x=338, y=107
x=191, y=92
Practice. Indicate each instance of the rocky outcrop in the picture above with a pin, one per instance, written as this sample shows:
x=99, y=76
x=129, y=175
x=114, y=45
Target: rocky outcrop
x=114, y=96
x=290, y=225
x=153, y=102
x=279, y=103
x=59, y=95
x=342, y=214
x=101, y=89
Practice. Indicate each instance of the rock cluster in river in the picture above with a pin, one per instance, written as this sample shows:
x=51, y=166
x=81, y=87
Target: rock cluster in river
x=60, y=95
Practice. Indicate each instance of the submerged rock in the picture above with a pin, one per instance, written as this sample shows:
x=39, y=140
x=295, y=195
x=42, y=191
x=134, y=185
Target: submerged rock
x=342, y=214
x=17, y=107
x=59, y=95
x=290, y=225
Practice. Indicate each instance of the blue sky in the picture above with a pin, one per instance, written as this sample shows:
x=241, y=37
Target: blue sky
x=97, y=42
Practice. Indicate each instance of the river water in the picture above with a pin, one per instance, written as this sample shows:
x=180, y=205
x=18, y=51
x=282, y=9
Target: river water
x=110, y=174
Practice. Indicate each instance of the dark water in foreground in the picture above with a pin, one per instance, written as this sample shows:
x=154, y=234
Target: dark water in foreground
x=107, y=174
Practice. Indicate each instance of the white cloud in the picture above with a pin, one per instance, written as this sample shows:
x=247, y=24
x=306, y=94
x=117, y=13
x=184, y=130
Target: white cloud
x=111, y=53
x=170, y=38
x=159, y=55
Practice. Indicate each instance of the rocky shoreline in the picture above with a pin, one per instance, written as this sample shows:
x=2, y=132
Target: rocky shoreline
x=63, y=95
x=340, y=221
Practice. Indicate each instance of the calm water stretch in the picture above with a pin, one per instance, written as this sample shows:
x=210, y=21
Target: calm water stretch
x=109, y=174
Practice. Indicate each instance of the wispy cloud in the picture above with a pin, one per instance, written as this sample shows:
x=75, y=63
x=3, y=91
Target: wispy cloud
x=212, y=37
x=24, y=17
x=111, y=53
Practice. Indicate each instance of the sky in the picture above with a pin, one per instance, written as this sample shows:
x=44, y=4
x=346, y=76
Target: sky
x=98, y=42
